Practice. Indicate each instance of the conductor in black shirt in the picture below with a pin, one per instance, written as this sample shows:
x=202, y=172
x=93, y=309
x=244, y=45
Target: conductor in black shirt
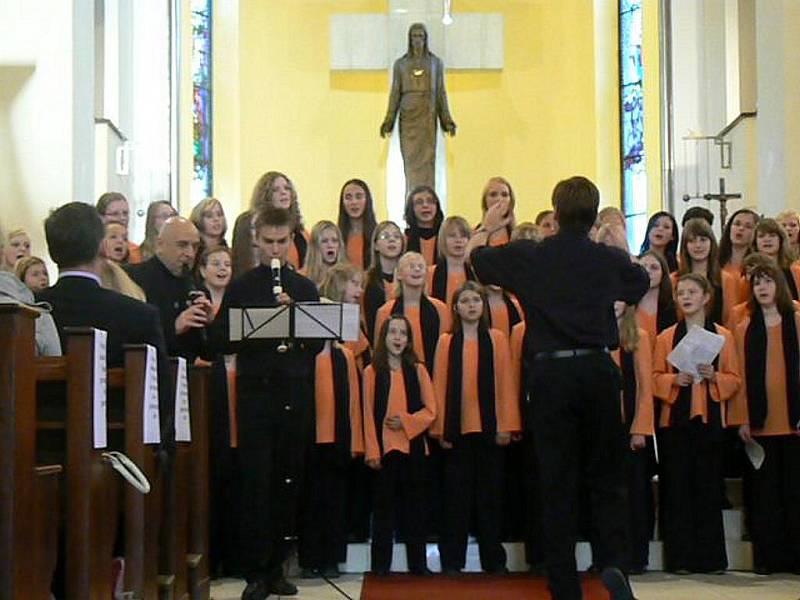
x=567, y=286
x=275, y=410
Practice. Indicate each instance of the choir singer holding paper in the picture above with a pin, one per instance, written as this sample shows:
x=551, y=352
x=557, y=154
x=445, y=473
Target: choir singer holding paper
x=274, y=410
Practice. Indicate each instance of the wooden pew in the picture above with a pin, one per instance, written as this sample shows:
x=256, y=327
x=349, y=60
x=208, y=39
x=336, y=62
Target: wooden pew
x=28, y=494
x=199, y=477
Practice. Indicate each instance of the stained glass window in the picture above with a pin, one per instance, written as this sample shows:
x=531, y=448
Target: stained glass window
x=634, y=175
x=202, y=178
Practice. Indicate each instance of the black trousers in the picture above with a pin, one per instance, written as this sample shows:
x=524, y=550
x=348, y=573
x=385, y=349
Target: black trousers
x=576, y=412
x=514, y=495
x=473, y=478
x=322, y=540
x=691, y=513
x=399, y=487
x=275, y=416
x=641, y=506
x=776, y=505
x=359, y=500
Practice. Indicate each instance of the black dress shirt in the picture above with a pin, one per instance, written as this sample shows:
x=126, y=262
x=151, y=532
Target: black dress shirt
x=567, y=285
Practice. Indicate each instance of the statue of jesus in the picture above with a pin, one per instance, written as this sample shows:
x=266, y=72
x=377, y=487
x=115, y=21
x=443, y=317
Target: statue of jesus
x=419, y=96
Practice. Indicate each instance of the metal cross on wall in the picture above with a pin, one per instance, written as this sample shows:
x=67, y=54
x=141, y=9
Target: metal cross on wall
x=722, y=197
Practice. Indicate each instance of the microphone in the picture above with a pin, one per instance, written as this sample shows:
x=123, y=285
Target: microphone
x=193, y=294
x=275, y=265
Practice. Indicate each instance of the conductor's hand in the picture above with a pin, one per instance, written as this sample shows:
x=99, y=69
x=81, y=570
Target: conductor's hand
x=503, y=438
x=707, y=372
x=744, y=433
x=637, y=442
x=386, y=128
x=497, y=216
x=683, y=379
x=373, y=463
x=284, y=298
x=445, y=445
x=194, y=317
x=394, y=423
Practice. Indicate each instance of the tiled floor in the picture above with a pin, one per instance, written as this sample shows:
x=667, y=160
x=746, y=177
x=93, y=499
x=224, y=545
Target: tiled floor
x=653, y=586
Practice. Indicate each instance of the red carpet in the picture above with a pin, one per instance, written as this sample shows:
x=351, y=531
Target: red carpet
x=468, y=587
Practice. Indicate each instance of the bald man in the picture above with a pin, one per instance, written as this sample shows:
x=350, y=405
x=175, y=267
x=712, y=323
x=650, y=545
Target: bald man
x=166, y=279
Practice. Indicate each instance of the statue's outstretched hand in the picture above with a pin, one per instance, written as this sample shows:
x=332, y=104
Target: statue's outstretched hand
x=450, y=128
x=386, y=128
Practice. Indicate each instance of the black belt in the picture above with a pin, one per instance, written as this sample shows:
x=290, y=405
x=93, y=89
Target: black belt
x=573, y=353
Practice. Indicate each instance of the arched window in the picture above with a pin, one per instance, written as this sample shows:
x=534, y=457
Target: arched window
x=203, y=173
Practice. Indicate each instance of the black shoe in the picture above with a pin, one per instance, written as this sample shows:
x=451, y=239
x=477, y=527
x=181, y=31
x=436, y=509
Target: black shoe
x=379, y=572
x=331, y=572
x=283, y=587
x=421, y=572
x=256, y=590
x=617, y=584
x=451, y=572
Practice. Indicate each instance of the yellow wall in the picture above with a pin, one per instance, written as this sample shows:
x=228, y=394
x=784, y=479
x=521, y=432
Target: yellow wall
x=550, y=113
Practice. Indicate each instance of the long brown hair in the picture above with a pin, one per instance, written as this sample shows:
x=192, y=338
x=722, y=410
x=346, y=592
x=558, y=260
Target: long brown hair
x=262, y=197
x=665, y=287
x=693, y=229
x=783, y=299
x=725, y=244
x=629, y=329
x=768, y=225
x=368, y=221
x=470, y=286
x=380, y=359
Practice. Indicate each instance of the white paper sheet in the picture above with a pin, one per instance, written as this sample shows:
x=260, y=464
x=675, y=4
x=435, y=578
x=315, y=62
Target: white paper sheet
x=351, y=322
x=152, y=425
x=258, y=323
x=755, y=452
x=317, y=320
x=698, y=347
x=100, y=377
x=183, y=422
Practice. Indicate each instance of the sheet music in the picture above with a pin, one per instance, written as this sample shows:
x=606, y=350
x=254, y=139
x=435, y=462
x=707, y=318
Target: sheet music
x=698, y=347
x=321, y=320
x=258, y=323
x=183, y=423
x=351, y=322
x=152, y=426
x=100, y=377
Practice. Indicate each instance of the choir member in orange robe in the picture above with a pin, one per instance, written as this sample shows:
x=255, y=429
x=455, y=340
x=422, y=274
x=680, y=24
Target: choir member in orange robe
x=388, y=244
x=277, y=190
x=656, y=310
x=424, y=216
x=495, y=190
x=399, y=406
x=771, y=240
x=477, y=413
x=357, y=221
x=450, y=270
x=343, y=283
x=734, y=246
x=339, y=438
x=699, y=254
x=428, y=316
x=662, y=238
x=634, y=358
x=504, y=309
x=767, y=409
x=790, y=221
x=690, y=438
x=325, y=249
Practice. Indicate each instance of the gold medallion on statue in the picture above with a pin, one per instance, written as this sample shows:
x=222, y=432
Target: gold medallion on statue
x=418, y=72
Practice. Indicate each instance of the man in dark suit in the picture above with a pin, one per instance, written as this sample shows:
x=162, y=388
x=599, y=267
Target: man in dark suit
x=74, y=232
x=167, y=281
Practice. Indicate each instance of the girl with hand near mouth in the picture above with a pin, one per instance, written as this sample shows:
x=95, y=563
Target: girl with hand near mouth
x=356, y=221
x=497, y=189
x=699, y=254
x=690, y=438
x=771, y=240
x=736, y=243
x=633, y=357
x=424, y=216
x=450, y=270
x=324, y=251
x=476, y=414
x=767, y=408
x=662, y=238
x=399, y=406
x=656, y=310
x=428, y=316
x=388, y=244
